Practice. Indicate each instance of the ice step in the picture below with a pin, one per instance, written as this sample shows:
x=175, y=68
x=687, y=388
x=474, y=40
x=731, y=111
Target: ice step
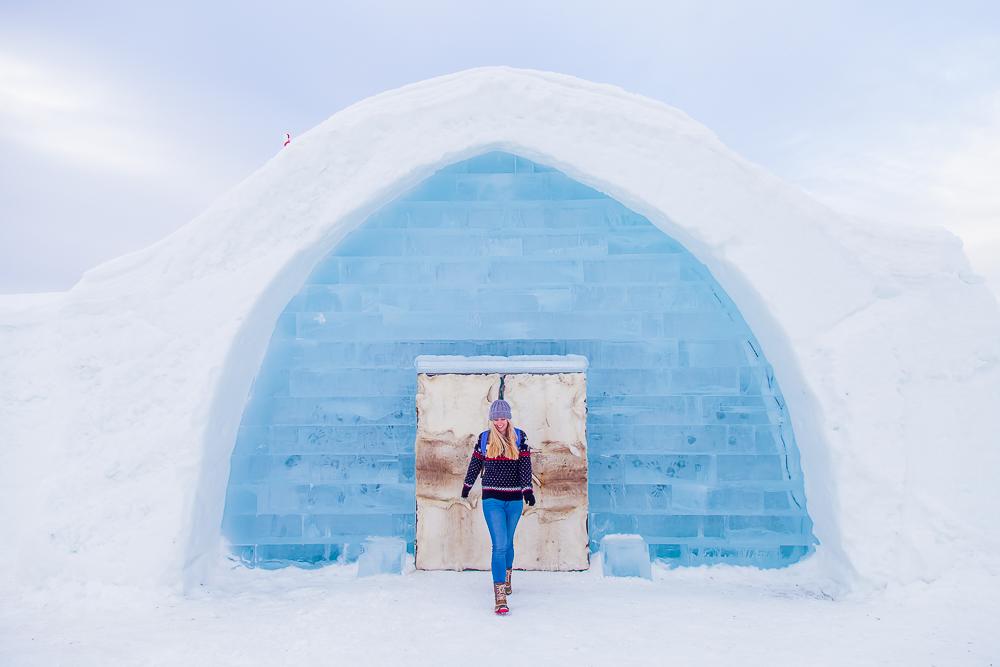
x=624, y=555
x=381, y=555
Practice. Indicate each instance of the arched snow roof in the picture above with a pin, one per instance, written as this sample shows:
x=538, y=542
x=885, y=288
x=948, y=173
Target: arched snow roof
x=885, y=345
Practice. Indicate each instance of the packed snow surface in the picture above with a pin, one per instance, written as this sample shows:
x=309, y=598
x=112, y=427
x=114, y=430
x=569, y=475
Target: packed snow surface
x=721, y=615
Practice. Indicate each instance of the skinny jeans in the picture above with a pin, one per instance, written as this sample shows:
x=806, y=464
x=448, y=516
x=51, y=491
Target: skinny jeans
x=501, y=519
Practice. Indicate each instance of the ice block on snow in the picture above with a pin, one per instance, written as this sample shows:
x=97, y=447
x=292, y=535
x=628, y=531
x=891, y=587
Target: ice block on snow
x=625, y=556
x=381, y=555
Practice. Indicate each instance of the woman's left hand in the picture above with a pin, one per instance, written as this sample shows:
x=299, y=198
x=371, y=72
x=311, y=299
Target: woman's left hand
x=529, y=497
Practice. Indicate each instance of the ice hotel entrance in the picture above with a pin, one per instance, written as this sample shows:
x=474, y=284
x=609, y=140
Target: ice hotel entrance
x=687, y=435
x=548, y=397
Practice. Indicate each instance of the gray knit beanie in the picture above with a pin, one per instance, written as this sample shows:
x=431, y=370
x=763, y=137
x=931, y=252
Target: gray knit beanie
x=499, y=409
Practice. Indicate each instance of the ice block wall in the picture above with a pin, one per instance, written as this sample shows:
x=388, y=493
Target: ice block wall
x=690, y=443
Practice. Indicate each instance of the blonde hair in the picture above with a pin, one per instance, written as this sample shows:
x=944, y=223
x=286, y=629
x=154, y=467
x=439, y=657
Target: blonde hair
x=502, y=444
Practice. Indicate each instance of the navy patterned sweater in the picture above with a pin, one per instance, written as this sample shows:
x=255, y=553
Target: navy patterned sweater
x=504, y=479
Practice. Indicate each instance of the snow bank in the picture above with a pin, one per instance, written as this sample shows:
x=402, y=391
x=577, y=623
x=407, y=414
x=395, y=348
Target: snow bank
x=120, y=400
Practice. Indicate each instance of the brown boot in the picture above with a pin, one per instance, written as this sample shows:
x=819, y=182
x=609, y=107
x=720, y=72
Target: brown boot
x=501, y=607
x=507, y=589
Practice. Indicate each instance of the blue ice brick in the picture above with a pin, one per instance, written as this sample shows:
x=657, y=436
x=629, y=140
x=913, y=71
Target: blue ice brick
x=583, y=215
x=735, y=499
x=407, y=469
x=381, y=555
x=428, y=299
x=461, y=272
x=791, y=554
x=667, y=552
x=345, y=527
x=250, y=468
x=639, y=241
x=276, y=527
x=319, y=354
x=340, y=298
x=689, y=498
x=437, y=215
x=630, y=382
x=748, y=467
x=489, y=216
x=604, y=469
x=769, y=439
x=668, y=526
x=598, y=297
x=745, y=527
x=631, y=269
x=241, y=499
x=629, y=497
x=634, y=354
x=763, y=557
x=516, y=271
x=356, y=439
x=741, y=438
x=735, y=410
x=351, y=382
x=335, y=325
x=502, y=187
x=665, y=468
x=752, y=381
x=398, y=354
x=344, y=411
x=777, y=500
x=713, y=526
x=609, y=440
x=459, y=243
x=625, y=556
x=641, y=410
x=686, y=298
x=606, y=523
x=680, y=439
x=385, y=271
x=704, y=380
x=355, y=498
x=591, y=325
x=652, y=325
x=326, y=468
x=691, y=325
x=711, y=353
x=405, y=526
x=494, y=162
x=566, y=244
x=270, y=556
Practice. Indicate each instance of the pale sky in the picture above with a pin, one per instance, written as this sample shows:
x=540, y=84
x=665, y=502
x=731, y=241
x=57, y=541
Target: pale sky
x=121, y=121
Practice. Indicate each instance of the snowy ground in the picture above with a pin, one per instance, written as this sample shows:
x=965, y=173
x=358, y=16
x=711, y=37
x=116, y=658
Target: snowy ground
x=698, y=616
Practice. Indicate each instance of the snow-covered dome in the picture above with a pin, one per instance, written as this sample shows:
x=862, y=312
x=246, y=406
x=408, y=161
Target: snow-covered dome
x=122, y=398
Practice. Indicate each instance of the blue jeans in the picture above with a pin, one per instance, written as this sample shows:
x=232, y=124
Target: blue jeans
x=501, y=519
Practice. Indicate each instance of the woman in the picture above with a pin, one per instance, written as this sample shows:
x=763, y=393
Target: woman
x=503, y=456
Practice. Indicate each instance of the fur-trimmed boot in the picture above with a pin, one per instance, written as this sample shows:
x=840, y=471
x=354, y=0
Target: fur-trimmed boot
x=500, y=595
x=507, y=589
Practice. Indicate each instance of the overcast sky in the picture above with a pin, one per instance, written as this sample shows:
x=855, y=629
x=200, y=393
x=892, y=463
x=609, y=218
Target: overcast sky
x=120, y=121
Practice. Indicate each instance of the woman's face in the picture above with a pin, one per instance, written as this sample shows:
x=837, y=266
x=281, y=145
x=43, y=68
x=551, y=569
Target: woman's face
x=501, y=424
